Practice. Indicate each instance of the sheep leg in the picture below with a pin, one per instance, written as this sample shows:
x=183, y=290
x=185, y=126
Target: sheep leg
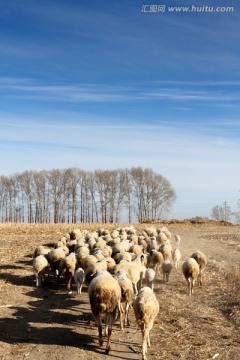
x=135, y=289
x=106, y=324
x=69, y=281
x=38, y=280
x=149, y=328
x=99, y=324
x=100, y=335
x=193, y=282
x=80, y=288
x=110, y=320
x=144, y=342
x=148, y=339
x=127, y=322
x=121, y=316
x=200, y=279
x=109, y=339
x=190, y=286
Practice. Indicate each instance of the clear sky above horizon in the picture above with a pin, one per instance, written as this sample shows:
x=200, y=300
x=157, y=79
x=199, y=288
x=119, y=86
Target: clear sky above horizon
x=102, y=84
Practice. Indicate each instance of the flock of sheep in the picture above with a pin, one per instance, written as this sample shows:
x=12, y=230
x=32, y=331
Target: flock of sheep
x=120, y=268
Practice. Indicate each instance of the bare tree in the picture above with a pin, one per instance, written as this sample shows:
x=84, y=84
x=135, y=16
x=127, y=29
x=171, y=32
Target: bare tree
x=102, y=181
x=57, y=185
x=221, y=213
x=121, y=192
x=152, y=193
x=90, y=188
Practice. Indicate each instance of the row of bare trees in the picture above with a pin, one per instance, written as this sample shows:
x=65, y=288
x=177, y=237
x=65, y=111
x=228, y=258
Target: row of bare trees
x=74, y=195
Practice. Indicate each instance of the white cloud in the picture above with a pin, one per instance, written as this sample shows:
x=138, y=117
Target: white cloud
x=30, y=89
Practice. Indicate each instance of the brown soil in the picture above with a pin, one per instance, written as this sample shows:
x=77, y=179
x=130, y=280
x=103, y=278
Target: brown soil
x=47, y=323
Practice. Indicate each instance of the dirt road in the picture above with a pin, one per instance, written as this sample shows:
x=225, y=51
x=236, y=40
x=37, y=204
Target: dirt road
x=47, y=323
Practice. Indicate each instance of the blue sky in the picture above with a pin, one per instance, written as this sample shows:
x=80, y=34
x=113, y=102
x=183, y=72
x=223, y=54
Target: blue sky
x=100, y=84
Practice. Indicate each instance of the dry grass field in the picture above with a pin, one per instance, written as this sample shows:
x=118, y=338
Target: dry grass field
x=48, y=323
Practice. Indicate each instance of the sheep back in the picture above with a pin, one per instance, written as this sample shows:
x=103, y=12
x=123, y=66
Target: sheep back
x=190, y=268
x=146, y=306
x=104, y=294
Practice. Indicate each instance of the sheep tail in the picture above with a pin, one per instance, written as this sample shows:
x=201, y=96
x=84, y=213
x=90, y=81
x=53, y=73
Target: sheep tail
x=103, y=307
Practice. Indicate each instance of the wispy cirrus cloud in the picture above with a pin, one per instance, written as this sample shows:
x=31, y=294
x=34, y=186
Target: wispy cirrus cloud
x=195, y=95
x=31, y=89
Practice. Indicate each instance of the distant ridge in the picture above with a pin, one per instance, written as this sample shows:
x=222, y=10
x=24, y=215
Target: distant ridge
x=194, y=221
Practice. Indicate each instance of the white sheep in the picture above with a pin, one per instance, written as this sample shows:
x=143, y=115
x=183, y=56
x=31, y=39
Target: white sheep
x=55, y=256
x=166, y=270
x=176, y=255
x=40, y=266
x=102, y=232
x=152, y=246
x=136, y=249
x=114, y=234
x=161, y=237
x=167, y=233
x=92, y=269
x=104, y=295
x=134, y=238
x=146, y=308
x=71, y=245
x=112, y=242
x=142, y=275
x=177, y=239
x=107, y=251
x=100, y=244
x=123, y=235
x=150, y=277
x=89, y=259
x=190, y=269
x=156, y=261
x=67, y=268
x=60, y=243
x=110, y=264
x=126, y=297
x=133, y=269
x=121, y=247
x=79, y=243
x=90, y=234
x=81, y=254
x=123, y=256
x=41, y=250
x=91, y=242
x=166, y=250
x=151, y=231
x=201, y=259
x=98, y=254
x=79, y=276
x=75, y=234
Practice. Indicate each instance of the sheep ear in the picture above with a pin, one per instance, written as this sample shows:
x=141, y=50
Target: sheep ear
x=93, y=274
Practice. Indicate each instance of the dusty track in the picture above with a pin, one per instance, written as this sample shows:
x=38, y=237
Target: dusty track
x=47, y=323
